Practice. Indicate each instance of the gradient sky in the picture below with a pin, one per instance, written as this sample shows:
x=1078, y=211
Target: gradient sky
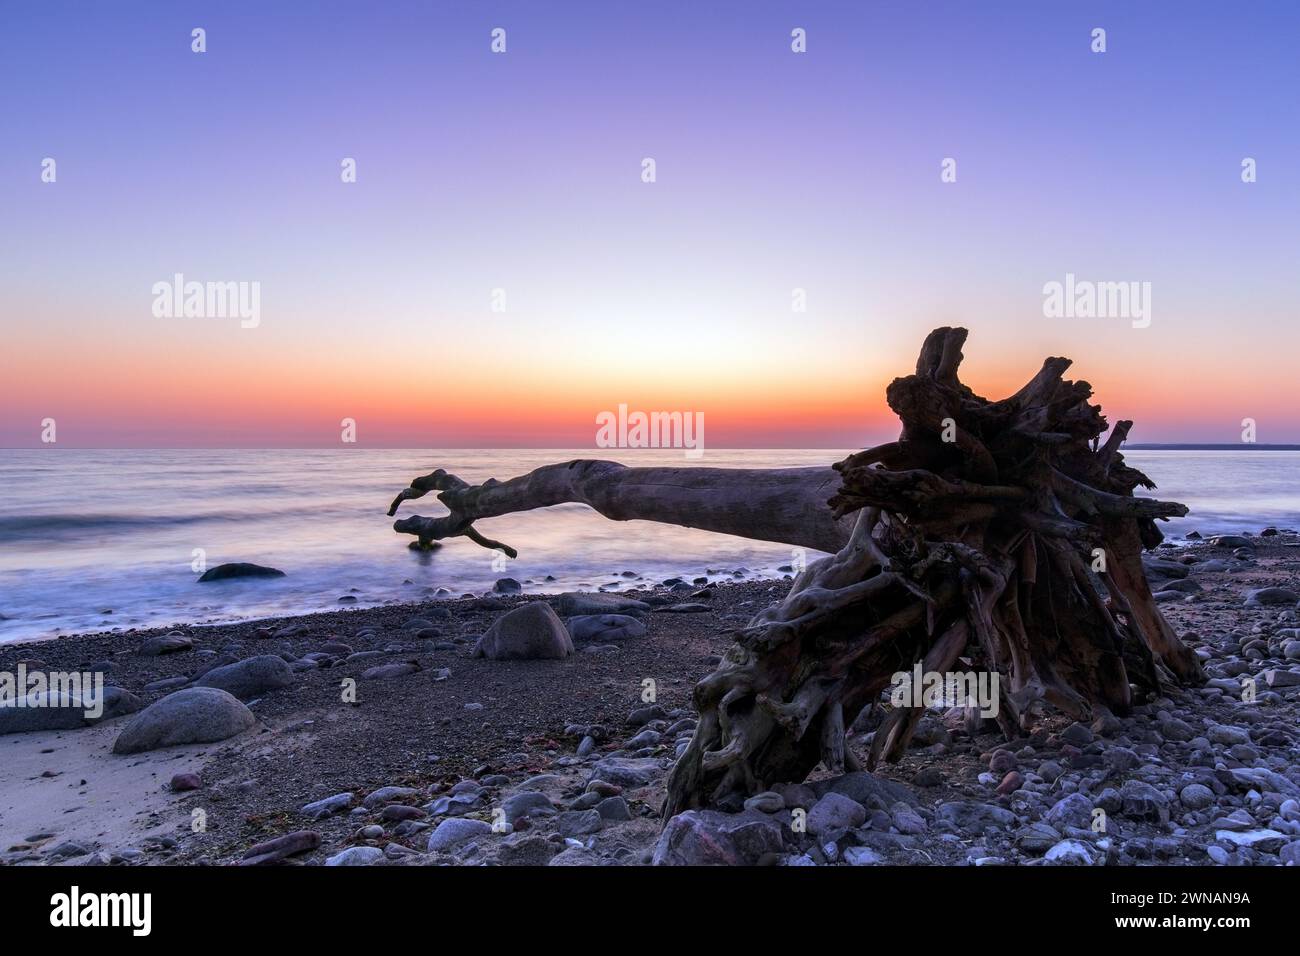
x=522, y=171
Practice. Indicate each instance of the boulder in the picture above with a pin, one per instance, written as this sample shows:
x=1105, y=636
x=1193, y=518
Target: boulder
x=45, y=710
x=195, y=715
x=249, y=678
x=1271, y=596
x=529, y=632
x=579, y=603
x=711, y=838
x=604, y=627
x=239, y=569
x=454, y=832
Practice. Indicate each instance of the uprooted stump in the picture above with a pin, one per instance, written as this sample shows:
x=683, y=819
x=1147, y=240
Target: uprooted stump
x=1004, y=535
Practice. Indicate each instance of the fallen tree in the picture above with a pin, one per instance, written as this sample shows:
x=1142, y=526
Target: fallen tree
x=1002, y=534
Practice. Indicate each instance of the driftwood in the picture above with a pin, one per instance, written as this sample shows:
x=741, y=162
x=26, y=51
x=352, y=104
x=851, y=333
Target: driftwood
x=994, y=536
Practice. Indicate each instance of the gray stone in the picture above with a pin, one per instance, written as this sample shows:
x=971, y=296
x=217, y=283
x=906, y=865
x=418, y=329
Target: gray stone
x=239, y=569
x=526, y=804
x=862, y=856
x=1196, y=796
x=1272, y=596
x=1073, y=810
x=969, y=814
x=165, y=644
x=529, y=632
x=711, y=838
x=383, y=795
x=578, y=603
x=835, y=812
x=454, y=832
x=329, y=806
x=192, y=716
x=625, y=771
x=356, y=856
x=605, y=627
x=249, y=678
x=1069, y=853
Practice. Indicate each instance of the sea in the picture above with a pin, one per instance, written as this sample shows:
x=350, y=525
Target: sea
x=94, y=540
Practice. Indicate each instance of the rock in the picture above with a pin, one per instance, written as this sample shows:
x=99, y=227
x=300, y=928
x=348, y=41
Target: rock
x=969, y=814
x=862, y=856
x=249, y=678
x=526, y=804
x=62, y=711
x=614, y=810
x=1073, y=810
x=1230, y=541
x=195, y=715
x=712, y=838
x=1176, y=730
x=578, y=603
x=1160, y=568
x=182, y=782
x=1275, y=677
x=1012, y=782
x=625, y=771
x=399, y=812
x=1266, y=841
x=689, y=607
x=1037, y=838
x=1271, y=596
x=356, y=856
x=165, y=644
x=529, y=632
x=507, y=586
x=605, y=627
x=906, y=820
x=454, y=832
x=835, y=812
x=768, y=802
x=329, y=806
x=1141, y=801
x=377, y=798
x=390, y=671
x=1196, y=796
x=239, y=569
x=273, y=851
x=1227, y=736
x=1290, y=854
x=866, y=788
x=529, y=851
x=578, y=823
x=166, y=684
x=1070, y=853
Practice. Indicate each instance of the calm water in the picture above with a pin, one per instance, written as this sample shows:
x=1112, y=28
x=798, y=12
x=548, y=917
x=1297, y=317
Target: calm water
x=85, y=531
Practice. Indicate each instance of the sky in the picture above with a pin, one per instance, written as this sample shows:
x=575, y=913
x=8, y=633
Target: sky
x=522, y=171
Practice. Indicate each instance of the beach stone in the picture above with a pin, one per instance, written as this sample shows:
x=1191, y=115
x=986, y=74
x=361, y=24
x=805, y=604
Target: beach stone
x=1196, y=796
x=835, y=812
x=329, y=806
x=182, y=782
x=614, y=810
x=529, y=632
x=1227, y=736
x=862, y=856
x=507, y=586
x=578, y=823
x=625, y=771
x=192, y=716
x=282, y=847
x=1271, y=596
x=165, y=644
x=390, y=671
x=239, y=569
x=768, y=802
x=356, y=856
x=454, y=832
x=1266, y=841
x=581, y=603
x=1141, y=801
x=377, y=798
x=522, y=805
x=712, y=838
x=605, y=627
x=970, y=814
x=531, y=850
x=166, y=684
x=62, y=711
x=249, y=678
x=1275, y=677
x=866, y=788
x=1231, y=541
x=1073, y=810
x=1069, y=853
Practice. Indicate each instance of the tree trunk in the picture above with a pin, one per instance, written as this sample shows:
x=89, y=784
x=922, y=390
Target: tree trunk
x=1001, y=536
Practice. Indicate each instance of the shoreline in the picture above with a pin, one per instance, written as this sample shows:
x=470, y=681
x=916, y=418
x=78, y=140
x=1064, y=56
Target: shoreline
x=466, y=739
